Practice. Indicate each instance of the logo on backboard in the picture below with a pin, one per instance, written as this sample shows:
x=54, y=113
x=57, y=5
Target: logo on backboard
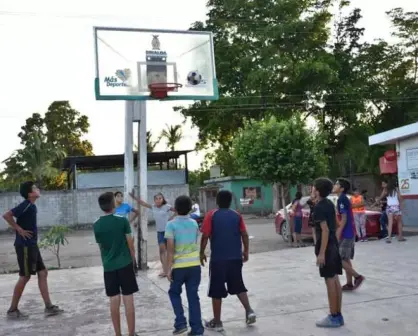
x=120, y=78
x=156, y=47
x=155, y=42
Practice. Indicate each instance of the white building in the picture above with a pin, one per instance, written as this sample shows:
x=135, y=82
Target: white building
x=406, y=140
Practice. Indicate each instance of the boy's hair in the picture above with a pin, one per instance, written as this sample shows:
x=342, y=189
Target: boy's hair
x=183, y=205
x=344, y=183
x=160, y=194
x=26, y=189
x=354, y=189
x=107, y=201
x=118, y=193
x=298, y=195
x=324, y=186
x=224, y=199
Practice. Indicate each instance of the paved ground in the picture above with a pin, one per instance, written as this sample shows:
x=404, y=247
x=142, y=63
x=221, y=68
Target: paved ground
x=83, y=251
x=285, y=290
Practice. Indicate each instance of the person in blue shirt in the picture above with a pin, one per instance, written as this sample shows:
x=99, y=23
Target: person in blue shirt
x=346, y=233
x=124, y=209
x=23, y=219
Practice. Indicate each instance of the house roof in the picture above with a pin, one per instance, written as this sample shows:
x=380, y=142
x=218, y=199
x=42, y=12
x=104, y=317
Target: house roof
x=394, y=135
x=117, y=161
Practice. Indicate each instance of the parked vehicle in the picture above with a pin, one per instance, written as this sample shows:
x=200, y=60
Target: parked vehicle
x=373, y=227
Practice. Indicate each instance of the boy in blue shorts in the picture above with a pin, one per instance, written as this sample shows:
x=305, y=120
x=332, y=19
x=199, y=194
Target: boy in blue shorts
x=227, y=233
x=183, y=267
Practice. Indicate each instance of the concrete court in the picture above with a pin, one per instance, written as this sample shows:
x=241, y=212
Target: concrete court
x=285, y=291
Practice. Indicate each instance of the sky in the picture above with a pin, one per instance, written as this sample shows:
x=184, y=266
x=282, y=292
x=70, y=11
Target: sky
x=47, y=54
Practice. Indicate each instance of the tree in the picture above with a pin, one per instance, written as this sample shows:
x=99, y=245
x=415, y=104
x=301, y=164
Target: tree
x=63, y=127
x=282, y=153
x=172, y=136
x=196, y=180
x=36, y=160
x=268, y=54
x=60, y=130
x=151, y=144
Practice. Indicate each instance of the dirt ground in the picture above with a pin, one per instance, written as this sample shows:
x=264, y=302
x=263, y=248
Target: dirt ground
x=82, y=251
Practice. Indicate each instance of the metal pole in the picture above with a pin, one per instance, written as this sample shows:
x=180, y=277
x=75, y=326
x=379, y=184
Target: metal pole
x=143, y=184
x=129, y=157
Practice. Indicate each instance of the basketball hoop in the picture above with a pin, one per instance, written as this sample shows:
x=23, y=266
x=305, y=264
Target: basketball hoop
x=161, y=90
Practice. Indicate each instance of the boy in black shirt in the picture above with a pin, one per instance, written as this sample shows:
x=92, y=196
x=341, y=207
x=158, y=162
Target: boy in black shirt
x=327, y=252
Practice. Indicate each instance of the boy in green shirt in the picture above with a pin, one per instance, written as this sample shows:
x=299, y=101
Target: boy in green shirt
x=113, y=234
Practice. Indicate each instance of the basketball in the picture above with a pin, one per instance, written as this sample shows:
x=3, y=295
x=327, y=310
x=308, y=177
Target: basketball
x=194, y=78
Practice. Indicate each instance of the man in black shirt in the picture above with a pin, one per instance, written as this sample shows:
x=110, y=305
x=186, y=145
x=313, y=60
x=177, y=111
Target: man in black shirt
x=327, y=252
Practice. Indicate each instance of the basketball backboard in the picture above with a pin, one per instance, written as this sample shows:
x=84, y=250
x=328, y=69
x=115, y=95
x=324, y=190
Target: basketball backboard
x=129, y=60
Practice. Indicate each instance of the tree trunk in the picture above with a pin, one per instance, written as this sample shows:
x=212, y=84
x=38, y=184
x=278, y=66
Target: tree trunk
x=58, y=256
x=276, y=198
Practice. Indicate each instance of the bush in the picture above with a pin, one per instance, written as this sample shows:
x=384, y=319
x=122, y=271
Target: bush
x=54, y=239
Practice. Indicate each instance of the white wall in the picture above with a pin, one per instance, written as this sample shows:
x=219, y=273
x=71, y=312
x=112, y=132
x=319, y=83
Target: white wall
x=408, y=178
x=78, y=207
x=115, y=179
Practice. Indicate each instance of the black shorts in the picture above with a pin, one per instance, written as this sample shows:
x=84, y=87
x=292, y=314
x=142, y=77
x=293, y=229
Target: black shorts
x=333, y=264
x=122, y=279
x=29, y=259
x=225, y=272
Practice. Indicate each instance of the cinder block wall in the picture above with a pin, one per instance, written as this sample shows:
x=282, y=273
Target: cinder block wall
x=78, y=207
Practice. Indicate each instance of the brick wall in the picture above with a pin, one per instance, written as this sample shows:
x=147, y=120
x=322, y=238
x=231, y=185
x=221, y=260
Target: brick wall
x=78, y=207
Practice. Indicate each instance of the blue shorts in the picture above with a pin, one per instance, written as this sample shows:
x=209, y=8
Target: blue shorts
x=160, y=238
x=225, y=272
x=298, y=224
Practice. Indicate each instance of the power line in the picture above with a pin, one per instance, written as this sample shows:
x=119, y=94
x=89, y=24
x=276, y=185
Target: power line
x=257, y=107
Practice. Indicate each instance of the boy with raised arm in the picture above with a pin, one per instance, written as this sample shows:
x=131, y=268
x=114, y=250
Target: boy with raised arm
x=227, y=233
x=114, y=236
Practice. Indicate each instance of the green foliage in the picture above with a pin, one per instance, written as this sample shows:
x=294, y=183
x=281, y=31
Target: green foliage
x=172, y=136
x=54, y=239
x=283, y=152
x=268, y=54
x=151, y=144
x=275, y=58
x=35, y=160
x=196, y=180
x=46, y=141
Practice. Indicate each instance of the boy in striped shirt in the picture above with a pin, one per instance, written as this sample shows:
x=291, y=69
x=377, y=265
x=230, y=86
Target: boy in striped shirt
x=183, y=263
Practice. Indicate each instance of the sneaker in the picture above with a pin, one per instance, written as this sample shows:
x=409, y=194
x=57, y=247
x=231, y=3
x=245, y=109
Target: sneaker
x=388, y=240
x=358, y=281
x=250, y=317
x=53, y=310
x=341, y=318
x=347, y=287
x=214, y=326
x=179, y=331
x=16, y=315
x=330, y=322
